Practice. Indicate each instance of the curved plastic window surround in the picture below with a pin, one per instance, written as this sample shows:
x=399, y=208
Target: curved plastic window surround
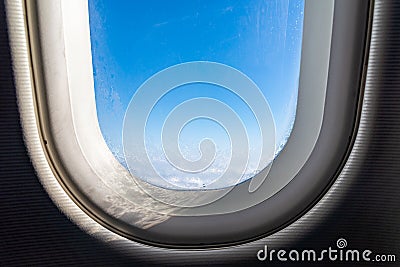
x=72, y=93
x=104, y=188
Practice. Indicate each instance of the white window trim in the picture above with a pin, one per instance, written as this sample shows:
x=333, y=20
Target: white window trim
x=28, y=116
x=79, y=143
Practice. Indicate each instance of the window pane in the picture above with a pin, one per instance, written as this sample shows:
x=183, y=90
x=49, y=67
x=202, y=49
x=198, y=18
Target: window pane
x=134, y=40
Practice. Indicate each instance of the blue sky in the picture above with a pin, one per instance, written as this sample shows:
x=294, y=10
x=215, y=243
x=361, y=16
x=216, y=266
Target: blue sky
x=133, y=40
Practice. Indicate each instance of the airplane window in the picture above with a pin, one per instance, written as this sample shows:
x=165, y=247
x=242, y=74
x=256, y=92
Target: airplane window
x=134, y=43
x=194, y=124
x=191, y=123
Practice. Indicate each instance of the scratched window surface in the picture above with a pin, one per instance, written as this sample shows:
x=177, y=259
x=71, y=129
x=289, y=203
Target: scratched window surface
x=132, y=41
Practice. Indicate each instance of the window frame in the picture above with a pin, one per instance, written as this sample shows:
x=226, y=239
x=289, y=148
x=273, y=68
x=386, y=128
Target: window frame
x=183, y=235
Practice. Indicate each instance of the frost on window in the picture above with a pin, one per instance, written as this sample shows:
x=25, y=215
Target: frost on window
x=206, y=60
